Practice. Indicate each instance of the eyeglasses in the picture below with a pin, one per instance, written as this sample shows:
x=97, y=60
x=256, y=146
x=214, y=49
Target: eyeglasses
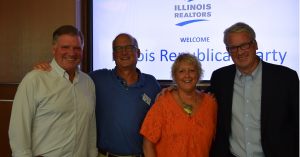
x=244, y=46
x=127, y=48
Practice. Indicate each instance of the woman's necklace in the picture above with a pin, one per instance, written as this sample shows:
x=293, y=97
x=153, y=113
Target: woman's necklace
x=188, y=108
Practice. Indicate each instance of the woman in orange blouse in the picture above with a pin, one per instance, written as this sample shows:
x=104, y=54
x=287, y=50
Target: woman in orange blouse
x=182, y=121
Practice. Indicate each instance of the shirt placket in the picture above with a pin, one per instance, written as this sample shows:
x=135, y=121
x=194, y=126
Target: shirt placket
x=247, y=103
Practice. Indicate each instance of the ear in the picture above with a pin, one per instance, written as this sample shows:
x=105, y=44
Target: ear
x=113, y=56
x=138, y=53
x=53, y=49
x=256, y=47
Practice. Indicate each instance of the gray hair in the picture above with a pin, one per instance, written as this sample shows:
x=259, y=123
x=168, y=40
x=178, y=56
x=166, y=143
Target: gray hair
x=239, y=27
x=134, y=41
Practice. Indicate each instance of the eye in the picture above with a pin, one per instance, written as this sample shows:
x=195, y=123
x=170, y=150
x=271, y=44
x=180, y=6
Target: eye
x=180, y=71
x=118, y=48
x=65, y=47
x=77, y=49
x=129, y=47
x=245, y=46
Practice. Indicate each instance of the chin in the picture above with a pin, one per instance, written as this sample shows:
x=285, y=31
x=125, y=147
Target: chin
x=188, y=89
x=67, y=68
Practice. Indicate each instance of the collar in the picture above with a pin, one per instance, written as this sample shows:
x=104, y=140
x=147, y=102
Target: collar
x=253, y=75
x=138, y=83
x=62, y=72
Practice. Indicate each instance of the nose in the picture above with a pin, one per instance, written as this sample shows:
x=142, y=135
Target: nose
x=187, y=73
x=240, y=51
x=124, y=51
x=75, y=50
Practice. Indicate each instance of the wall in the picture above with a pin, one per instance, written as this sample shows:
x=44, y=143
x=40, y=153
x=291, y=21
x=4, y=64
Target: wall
x=26, y=30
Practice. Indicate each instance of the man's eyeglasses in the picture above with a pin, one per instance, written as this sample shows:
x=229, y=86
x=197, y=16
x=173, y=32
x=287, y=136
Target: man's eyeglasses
x=126, y=48
x=245, y=46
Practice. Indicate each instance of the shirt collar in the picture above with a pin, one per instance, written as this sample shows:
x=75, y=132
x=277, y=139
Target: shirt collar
x=140, y=81
x=253, y=75
x=62, y=72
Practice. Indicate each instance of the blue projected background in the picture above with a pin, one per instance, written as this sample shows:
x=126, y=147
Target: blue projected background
x=168, y=27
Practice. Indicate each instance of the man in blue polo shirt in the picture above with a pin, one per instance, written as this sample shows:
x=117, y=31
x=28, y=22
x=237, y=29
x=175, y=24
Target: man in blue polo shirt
x=123, y=97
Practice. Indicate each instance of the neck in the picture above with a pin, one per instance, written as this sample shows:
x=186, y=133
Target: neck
x=71, y=75
x=249, y=70
x=188, y=97
x=188, y=101
x=129, y=75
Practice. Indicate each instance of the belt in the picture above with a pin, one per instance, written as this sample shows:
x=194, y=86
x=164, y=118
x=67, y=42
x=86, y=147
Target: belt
x=108, y=154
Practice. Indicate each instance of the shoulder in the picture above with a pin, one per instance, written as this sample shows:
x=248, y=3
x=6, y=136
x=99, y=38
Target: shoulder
x=85, y=76
x=208, y=97
x=149, y=77
x=166, y=97
x=99, y=73
x=278, y=70
x=35, y=75
x=279, y=76
x=150, y=80
x=276, y=67
x=225, y=69
x=223, y=73
x=209, y=100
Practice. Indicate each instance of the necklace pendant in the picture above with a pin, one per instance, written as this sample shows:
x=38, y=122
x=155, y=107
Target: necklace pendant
x=188, y=108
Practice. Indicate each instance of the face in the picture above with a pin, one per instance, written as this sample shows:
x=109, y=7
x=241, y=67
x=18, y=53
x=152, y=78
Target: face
x=67, y=52
x=186, y=76
x=244, y=57
x=125, y=53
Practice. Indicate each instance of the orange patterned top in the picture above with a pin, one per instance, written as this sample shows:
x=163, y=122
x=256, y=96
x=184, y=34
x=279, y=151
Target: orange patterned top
x=175, y=133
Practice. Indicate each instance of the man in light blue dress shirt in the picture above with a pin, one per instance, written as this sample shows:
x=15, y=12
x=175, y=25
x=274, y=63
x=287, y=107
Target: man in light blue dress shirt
x=53, y=113
x=258, y=102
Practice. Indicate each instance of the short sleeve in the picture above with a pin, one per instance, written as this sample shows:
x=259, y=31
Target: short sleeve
x=152, y=125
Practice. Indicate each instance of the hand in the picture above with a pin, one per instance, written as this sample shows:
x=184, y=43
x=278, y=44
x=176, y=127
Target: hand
x=164, y=90
x=43, y=66
x=209, y=93
x=212, y=95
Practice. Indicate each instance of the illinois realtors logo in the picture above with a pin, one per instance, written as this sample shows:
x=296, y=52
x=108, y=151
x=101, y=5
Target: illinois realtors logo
x=192, y=11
